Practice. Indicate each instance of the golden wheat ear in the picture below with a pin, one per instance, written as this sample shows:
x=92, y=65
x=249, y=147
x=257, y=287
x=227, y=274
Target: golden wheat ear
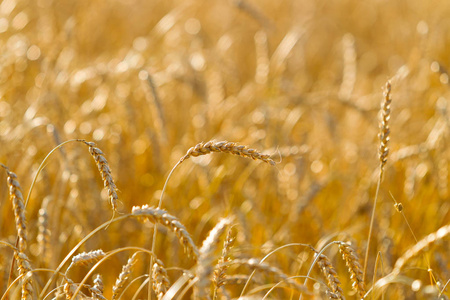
x=331, y=275
x=384, y=125
x=105, y=172
x=227, y=147
x=356, y=273
x=160, y=278
x=223, y=263
x=204, y=267
x=23, y=262
x=123, y=277
x=383, y=155
x=156, y=215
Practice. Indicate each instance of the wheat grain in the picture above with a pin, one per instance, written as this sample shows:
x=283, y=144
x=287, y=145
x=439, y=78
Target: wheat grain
x=157, y=215
x=123, y=277
x=331, y=275
x=161, y=281
x=105, y=172
x=352, y=262
x=227, y=147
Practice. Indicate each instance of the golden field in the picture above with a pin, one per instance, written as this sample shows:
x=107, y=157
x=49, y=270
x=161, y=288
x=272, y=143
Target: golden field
x=295, y=87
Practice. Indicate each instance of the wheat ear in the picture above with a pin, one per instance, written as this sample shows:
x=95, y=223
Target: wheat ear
x=227, y=147
x=15, y=193
x=123, y=277
x=105, y=171
x=160, y=280
x=223, y=263
x=384, y=125
x=204, y=268
x=157, y=215
x=86, y=258
x=383, y=154
x=23, y=264
x=21, y=227
x=98, y=288
x=352, y=261
x=331, y=275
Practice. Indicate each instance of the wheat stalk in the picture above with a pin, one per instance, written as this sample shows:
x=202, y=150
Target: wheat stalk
x=157, y=215
x=383, y=154
x=352, y=262
x=123, y=277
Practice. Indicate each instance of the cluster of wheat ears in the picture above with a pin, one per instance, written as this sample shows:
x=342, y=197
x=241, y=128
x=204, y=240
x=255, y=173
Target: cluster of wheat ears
x=208, y=277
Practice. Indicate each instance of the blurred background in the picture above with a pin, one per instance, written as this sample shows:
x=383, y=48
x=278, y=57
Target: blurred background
x=300, y=80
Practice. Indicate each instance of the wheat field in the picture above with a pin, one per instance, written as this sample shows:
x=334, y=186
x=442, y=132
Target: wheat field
x=228, y=149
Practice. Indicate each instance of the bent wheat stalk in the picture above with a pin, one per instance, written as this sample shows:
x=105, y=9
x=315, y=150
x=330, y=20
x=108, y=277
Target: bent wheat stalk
x=203, y=149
